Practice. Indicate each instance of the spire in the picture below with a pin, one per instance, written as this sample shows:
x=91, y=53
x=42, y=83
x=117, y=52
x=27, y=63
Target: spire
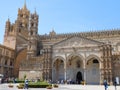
x=52, y=33
x=35, y=11
x=24, y=7
x=8, y=21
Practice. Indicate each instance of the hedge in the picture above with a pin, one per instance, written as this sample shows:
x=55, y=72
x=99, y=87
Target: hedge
x=38, y=86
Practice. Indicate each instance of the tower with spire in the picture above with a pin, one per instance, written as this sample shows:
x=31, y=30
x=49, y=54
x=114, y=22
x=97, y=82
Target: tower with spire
x=23, y=18
x=10, y=35
x=17, y=33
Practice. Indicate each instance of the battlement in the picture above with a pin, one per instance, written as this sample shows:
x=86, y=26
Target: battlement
x=92, y=35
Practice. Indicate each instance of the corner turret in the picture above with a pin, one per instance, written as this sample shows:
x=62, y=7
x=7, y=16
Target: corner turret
x=7, y=27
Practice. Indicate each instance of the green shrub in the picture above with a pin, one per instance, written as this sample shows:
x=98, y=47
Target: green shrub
x=18, y=81
x=38, y=84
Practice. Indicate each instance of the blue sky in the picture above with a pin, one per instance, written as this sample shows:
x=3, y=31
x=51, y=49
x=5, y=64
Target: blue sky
x=65, y=16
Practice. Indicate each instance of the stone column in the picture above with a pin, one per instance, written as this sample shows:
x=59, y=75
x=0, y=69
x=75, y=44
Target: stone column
x=65, y=66
x=57, y=71
x=85, y=74
x=65, y=70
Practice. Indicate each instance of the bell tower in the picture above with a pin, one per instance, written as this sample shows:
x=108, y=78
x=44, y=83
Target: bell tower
x=23, y=18
x=17, y=32
x=33, y=35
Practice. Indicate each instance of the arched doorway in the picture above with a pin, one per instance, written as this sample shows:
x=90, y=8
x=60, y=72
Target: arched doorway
x=58, y=70
x=75, y=69
x=93, y=72
x=79, y=77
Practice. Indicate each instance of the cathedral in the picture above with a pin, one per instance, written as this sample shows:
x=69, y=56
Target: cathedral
x=89, y=56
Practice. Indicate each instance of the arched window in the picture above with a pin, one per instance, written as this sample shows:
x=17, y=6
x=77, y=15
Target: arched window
x=11, y=63
x=19, y=30
x=31, y=33
x=32, y=24
x=5, y=62
x=95, y=61
x=20, y=24
x=21, y=15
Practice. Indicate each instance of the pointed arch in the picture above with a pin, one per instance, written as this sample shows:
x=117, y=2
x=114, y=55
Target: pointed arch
x=75, y=54
x=95, y=57
x=58, y=57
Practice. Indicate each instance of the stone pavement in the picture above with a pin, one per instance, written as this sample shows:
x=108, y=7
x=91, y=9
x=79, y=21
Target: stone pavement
x=63, y=87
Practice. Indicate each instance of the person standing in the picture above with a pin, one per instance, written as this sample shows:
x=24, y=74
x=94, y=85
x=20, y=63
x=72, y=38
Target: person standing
x=26, y=83
x=115, y=84
x=105, y=84
x=0, y=80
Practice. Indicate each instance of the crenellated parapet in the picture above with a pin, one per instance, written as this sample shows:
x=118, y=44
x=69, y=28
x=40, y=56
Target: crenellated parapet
x=92, y=35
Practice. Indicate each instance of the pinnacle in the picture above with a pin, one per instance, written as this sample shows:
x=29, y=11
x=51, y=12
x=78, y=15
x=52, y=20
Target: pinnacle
x=24, y=7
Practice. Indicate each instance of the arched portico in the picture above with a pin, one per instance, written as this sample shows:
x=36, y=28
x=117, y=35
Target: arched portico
x=58, y=69
x=93, y=70
x=75, y=68
x=96, y=57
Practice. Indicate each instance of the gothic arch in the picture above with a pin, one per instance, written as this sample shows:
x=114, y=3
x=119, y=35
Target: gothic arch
x=82, y=59
x=58, y=65
x=20, y=56
x=75, y=54
x=95, y=57
x=58, y=57
x=93, y=65
x=117, y=47
x=19, y=51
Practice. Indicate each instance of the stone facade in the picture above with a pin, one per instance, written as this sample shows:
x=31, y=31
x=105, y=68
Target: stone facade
x=7, y=59
x=89, y=56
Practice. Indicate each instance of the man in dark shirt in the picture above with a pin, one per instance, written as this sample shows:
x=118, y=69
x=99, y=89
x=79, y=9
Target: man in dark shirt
x=105, y=84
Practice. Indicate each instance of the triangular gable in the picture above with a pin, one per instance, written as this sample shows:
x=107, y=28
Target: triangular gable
x=77, y=41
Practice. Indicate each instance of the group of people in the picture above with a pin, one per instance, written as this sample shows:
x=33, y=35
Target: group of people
x=106, y=84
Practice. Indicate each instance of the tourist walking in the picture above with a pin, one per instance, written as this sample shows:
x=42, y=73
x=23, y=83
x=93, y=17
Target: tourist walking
x=105, y=84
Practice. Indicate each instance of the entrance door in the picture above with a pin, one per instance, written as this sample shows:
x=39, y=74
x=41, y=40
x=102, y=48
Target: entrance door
x=79, y=77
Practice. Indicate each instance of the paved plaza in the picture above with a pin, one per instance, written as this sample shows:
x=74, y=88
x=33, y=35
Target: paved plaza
x=63, y=87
